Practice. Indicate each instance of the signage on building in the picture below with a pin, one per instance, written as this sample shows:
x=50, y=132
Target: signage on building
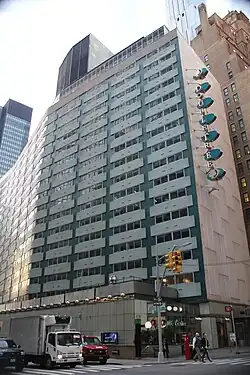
x=210, y=135
x=228, y=308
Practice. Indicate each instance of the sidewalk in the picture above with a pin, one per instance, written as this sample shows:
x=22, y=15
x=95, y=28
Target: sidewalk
x=215, y=354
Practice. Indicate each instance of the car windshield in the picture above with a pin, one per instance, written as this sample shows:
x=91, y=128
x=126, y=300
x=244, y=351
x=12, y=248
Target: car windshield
x=92, y=340
x=68, y=339
x=7, y=344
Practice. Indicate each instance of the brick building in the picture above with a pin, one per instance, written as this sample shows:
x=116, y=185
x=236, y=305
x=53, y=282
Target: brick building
x=224, y=46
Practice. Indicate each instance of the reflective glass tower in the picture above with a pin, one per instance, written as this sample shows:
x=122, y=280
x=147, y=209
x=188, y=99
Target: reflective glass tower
x=15, y=121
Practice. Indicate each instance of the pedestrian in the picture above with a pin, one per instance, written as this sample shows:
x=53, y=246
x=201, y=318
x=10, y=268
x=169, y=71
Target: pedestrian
x=197, y=344
x=165, y=348
x=205, y=346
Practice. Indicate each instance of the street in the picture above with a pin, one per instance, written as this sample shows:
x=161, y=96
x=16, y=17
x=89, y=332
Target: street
x=224, y=366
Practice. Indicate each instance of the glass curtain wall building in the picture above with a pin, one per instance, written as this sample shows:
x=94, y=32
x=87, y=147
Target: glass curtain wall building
x=15, y=119
x=113, y=177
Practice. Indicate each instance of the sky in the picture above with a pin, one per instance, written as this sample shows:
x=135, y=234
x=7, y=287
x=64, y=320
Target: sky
x=35, y=36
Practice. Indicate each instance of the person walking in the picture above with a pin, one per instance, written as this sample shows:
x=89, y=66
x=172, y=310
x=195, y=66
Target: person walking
x=205, y=346
x=197, y=344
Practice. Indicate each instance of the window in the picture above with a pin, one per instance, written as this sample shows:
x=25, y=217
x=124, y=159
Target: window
x=238, y=154
x=228, y=65
x=230, y=75
x=244, y=136
x=246, y=150
x=208, y=66
x=247, y=214
x=227, y=102
x=51, y=339
x=230, y=115
x=246, y=197
x=248, y=164
x=235, y=140
x=238, y=111
x=233, y=128
x=236, y=98
x=233, y=87
x=240, y=168
x=206, y=58
x=241, y=123
x=243, y=182
x=225, y=91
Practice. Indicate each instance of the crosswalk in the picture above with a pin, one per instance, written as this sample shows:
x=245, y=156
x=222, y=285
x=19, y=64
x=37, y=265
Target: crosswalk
x=233, y=362
x=79, y=370
x=243, y=361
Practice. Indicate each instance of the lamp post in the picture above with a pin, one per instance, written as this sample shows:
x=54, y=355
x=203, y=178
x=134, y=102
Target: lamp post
x=159, y=301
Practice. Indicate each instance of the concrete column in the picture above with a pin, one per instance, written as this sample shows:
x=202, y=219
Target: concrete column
x=208, y=326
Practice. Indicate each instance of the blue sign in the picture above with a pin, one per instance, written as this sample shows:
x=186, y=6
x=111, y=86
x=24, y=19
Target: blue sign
x=216, y=174
x=202, y=88
x=208, y=119
x=205, y=103
x=213, y=154
x=210, y=136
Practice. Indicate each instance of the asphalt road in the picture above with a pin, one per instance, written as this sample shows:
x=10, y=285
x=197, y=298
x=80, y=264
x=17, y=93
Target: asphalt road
x=230, y=366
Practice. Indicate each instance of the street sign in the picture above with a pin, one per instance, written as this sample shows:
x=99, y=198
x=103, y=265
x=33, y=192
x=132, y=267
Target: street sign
x=137, y=321
x=228, y=308
x=157, y=303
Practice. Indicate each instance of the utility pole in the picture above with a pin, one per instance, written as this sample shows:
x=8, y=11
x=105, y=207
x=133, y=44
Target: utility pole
x=158, y=302
x=234, y=331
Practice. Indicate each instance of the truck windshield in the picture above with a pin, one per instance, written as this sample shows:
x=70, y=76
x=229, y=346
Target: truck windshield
x=92, y=341
x=68, y=339
x=7, y=344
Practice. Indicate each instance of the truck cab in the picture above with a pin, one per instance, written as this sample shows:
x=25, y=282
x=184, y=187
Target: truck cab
x=93, y=350
x=64, y=347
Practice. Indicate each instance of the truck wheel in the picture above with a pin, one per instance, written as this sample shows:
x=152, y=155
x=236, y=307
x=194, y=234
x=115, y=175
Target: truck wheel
x=72, y=365
x=19, y=368
x=103, y=361
x=48, y=363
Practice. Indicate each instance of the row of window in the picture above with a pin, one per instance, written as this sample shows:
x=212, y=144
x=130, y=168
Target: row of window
x=168, y=142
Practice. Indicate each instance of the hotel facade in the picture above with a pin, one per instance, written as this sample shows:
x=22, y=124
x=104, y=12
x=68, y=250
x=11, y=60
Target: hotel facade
x=114, y=176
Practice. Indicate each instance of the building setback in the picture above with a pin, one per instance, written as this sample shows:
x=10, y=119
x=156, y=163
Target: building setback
x=15, y=119
x=115, y=175
x=223, y=45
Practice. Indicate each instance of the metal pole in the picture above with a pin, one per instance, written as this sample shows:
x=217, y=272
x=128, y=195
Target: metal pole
x=234, y=331
x=158, y=297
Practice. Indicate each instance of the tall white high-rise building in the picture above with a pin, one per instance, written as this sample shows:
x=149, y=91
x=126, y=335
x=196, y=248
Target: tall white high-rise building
x=184, y=15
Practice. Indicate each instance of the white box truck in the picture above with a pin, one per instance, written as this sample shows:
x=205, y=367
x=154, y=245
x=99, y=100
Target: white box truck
x=47, y=340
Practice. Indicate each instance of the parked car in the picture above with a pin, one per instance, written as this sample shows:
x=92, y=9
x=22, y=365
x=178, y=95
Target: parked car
x=11, y=355
x=93, y=350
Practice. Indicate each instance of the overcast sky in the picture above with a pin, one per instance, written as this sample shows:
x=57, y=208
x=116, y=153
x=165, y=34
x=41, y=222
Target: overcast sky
x=35, y=36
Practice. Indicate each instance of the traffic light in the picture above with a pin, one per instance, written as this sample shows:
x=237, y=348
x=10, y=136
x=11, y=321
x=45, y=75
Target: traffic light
x=177, y=258
x=168, y=261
